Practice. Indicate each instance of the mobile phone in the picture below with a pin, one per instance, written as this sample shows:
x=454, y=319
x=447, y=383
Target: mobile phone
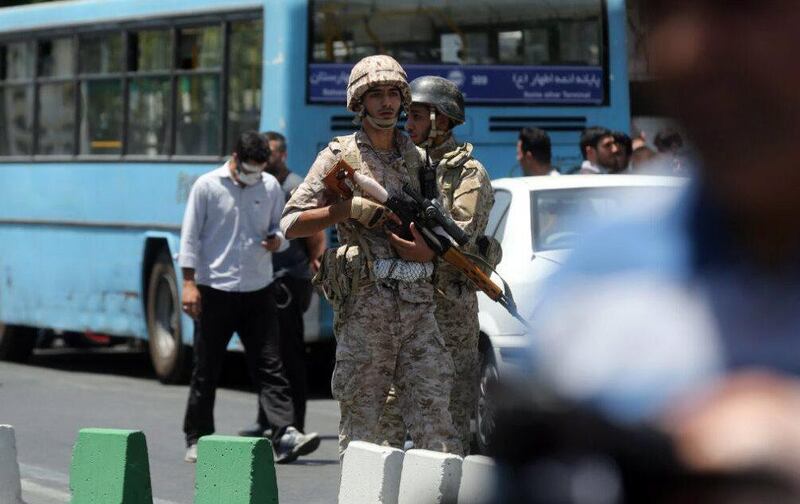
x=271, y=236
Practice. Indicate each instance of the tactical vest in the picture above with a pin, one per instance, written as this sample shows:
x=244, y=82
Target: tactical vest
x=342, y=269
x=454, y=163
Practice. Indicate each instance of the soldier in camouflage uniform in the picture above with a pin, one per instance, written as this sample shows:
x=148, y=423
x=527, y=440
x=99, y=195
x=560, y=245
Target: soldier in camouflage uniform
x=380, y=286
x=463, y=186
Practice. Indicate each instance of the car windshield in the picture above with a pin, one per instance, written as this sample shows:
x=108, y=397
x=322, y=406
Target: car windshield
x=560, y=216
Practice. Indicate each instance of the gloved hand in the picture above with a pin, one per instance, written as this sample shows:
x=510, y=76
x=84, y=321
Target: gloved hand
x=367, y=212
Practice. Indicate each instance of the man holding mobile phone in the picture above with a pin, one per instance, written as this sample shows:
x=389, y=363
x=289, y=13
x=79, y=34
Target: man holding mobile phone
x=230, y=229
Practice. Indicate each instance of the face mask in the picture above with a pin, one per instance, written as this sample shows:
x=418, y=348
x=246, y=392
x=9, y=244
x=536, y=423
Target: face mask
x=249, y=174
x=249, y=179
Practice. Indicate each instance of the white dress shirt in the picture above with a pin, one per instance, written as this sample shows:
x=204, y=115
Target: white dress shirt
x=223, y=227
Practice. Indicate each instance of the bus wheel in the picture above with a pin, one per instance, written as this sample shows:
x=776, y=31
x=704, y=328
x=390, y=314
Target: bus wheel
x=16, y=342
x=170, y=357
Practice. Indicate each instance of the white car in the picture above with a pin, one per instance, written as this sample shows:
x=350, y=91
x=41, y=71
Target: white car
x=538, y=220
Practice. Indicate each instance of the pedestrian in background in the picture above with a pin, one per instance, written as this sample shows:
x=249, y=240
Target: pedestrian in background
x=599, y=151
x=624, y=152
x=293, y=270
x=642, y=158
x=534, y=152
x=230, y=229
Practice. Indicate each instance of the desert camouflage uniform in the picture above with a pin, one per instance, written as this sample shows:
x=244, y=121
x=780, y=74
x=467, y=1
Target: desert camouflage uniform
x=386, y=330
x=466, y=193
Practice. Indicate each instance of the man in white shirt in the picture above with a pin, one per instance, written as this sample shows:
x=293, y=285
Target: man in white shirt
x=534, y=152
x=599, y=150
x=230, y=229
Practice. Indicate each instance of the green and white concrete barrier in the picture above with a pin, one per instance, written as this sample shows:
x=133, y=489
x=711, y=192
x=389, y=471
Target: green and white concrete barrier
x=478, y=480
x=10, y=490
x=235, y=470
x=110, y=466
x=370, y=474
x=430, y=477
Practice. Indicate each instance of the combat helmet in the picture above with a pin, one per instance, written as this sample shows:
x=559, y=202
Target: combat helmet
x=375, y=71
x=441, y=94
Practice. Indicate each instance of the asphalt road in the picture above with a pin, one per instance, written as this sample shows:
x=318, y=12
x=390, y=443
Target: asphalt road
x=59, y=392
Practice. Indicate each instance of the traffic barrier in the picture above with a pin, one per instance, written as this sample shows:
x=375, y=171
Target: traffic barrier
x=235, y=470
x=10, y=490
x=430, y=477
x=478, y=480
x=110, y=466
x=370, y=474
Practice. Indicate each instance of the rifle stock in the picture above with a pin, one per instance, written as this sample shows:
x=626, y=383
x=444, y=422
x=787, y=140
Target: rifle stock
x=481, y=280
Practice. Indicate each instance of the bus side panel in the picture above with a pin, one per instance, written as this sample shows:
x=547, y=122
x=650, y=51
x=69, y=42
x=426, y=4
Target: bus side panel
x=72, y=238
x=285, y=110
x=72, y=278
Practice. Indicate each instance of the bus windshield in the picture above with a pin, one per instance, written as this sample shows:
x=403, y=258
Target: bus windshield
x=533, y=51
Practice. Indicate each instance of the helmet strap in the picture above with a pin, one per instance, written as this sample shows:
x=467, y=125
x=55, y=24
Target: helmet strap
x=433, y=133
x=382, y=124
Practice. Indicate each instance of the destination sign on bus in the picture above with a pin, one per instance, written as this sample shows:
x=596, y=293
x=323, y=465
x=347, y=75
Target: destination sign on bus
x=550, y=85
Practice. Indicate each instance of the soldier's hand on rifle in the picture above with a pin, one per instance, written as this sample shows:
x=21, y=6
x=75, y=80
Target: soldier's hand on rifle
x=417, y=250
x=367, y=212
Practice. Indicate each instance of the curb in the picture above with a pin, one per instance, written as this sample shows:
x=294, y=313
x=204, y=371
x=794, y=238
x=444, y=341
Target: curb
x=10, y=489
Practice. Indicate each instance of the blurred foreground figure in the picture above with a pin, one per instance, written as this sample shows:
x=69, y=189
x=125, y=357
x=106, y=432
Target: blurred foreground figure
x=678, y=336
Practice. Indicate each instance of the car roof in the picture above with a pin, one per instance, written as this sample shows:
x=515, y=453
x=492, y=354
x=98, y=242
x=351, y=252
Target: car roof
x=580, y=181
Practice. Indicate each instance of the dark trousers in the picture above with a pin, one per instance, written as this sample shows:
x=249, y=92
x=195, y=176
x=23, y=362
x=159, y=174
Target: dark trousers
x=294, y=297
x=253, y=316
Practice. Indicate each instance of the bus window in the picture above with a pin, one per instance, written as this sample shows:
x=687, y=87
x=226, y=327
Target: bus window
x=101, y=117
x=198, y=115
x=244, y=79
x=504, y=51
x=198, y=94
x=485, y=32
x=56, y=58
x=150, y=50
x=149, y=122
x=56, y=119
x=101, y=54
x=16, y=99
x=101, y=94
x=18, y=61
x=56, y=116
x=149, y=109
x=200, y=48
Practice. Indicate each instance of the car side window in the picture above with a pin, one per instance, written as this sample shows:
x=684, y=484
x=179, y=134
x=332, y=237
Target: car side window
x=498, y=215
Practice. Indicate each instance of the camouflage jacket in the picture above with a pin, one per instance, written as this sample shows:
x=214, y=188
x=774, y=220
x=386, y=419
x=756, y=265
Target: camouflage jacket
x=466, y=193
x=391, y=170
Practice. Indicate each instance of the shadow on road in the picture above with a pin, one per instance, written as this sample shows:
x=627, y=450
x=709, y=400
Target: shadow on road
x=136, y=364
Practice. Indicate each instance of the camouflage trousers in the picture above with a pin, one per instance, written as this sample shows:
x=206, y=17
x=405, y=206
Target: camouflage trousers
x=388, y=335
x=457, y=318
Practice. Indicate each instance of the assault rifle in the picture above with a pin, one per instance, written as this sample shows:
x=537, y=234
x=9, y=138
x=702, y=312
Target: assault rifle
x=439, y=231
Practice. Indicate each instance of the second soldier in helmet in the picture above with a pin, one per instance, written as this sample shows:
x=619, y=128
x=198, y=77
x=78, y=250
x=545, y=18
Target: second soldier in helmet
x=381, y=287
x=462, y=184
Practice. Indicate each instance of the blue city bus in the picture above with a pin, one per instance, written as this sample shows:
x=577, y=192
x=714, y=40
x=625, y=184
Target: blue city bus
x=112, y=108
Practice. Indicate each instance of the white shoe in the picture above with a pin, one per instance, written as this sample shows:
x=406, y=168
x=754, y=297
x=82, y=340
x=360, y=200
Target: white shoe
x=294, y=443
x=191, y=454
